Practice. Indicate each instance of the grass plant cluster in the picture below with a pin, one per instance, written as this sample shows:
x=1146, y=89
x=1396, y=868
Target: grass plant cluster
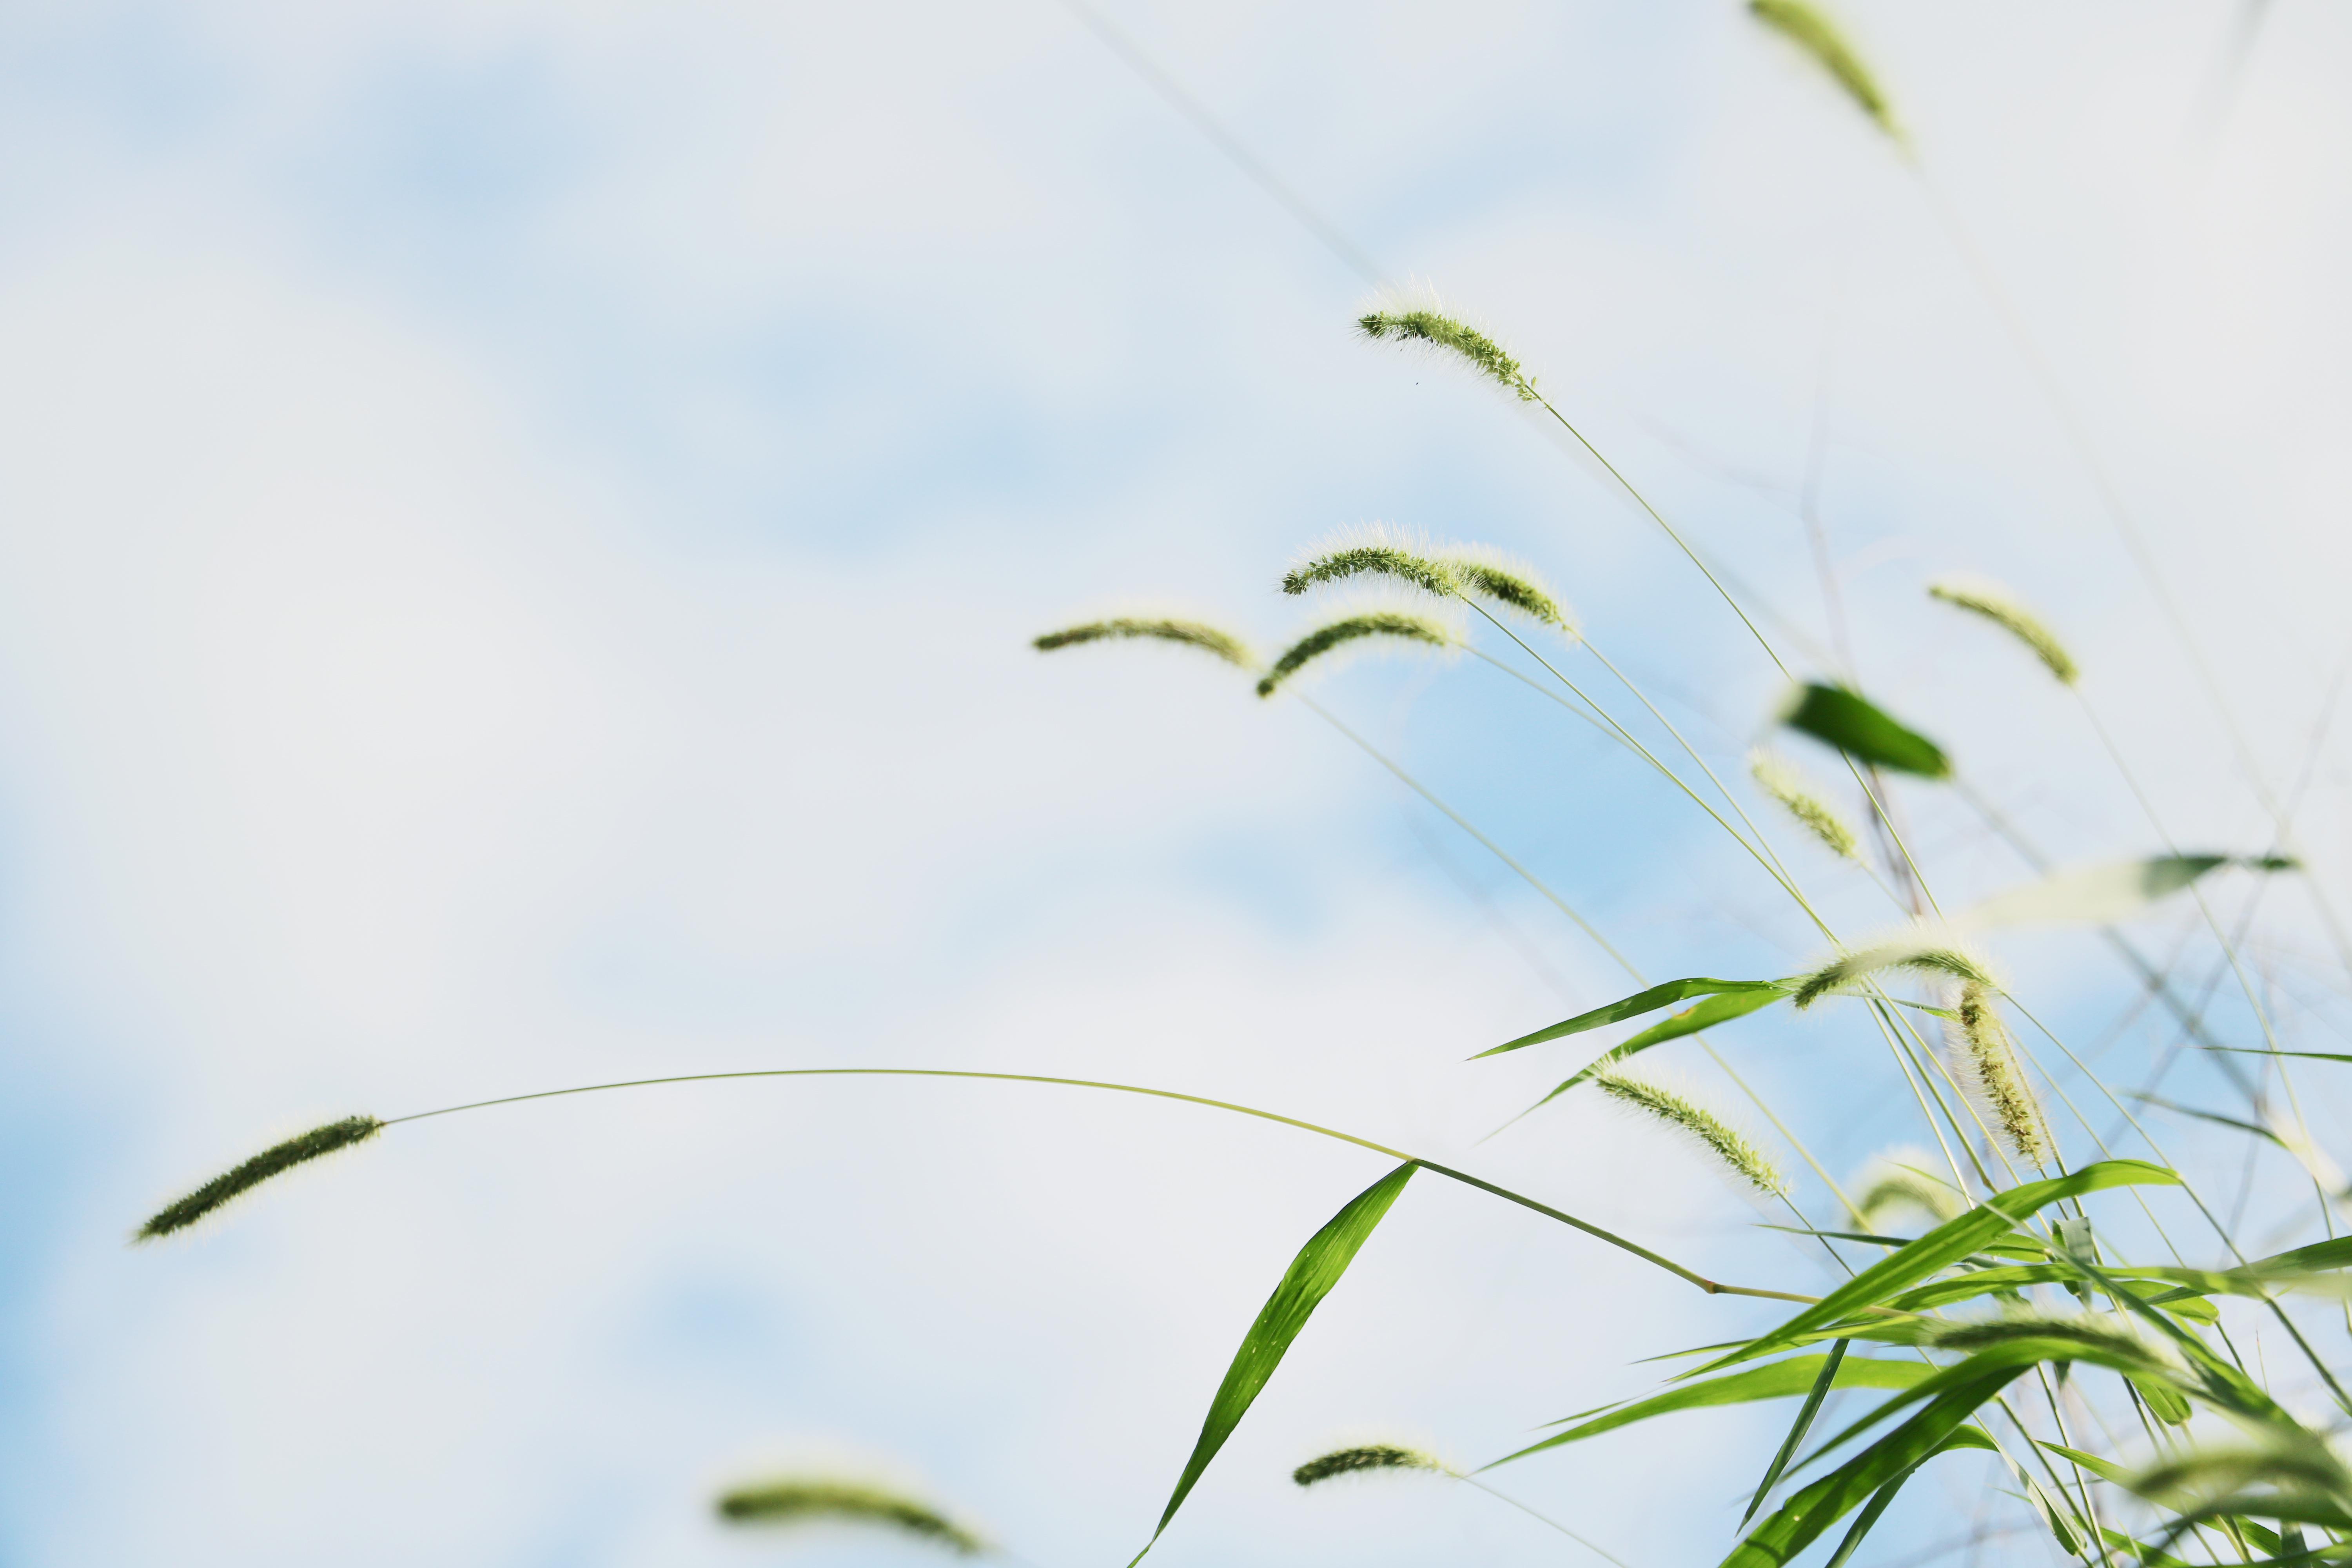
x=2007, y=1284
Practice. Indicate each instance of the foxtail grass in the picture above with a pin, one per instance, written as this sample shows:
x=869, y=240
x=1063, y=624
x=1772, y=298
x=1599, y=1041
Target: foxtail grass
x=1465, y=572
x=1901, y=1179
x=1364, y=1458
x=241, y=1179
x=808, y=1499
x=1449, y=336
x=1982, y=597
x=2108, y=1338
x=1674, y=1108
x=1988, y=1069
x=1926, y=949
x=1372, y=624
x=1802, y=799
x=1210, y=639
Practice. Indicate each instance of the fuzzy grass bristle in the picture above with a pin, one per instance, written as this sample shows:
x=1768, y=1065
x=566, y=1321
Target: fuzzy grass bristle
x=1808, y=27
x=1164, y=628
x=1982, y=597
x=1488, y=574
x=1704, y=1126
x=1378, y=623
x=1987, y=1067
x=1365, y=1458
x=1901, y=1179
x=799, y=1500
x=1923, y=950
x=1376, y=551
x=274, y=1161
x=1425, y=323
x=1800, y=798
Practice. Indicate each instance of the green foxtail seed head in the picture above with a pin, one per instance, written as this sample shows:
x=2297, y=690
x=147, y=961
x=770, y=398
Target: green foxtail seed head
x=2109, y=1339
x=1982, y=597
x=1371, y=624
x=2235, y=1477
x=273, y=1161
x=1987, y=1067
x=1805, y=26
x=1166, y=628
x=1903, y=1179
x=1803, y=801
x=1363, y=1458
x=1425, y=322
x=1678, y=1110
x=1376, y=551
x=1486, y=572
x=1925, y=949
x=805, y=1499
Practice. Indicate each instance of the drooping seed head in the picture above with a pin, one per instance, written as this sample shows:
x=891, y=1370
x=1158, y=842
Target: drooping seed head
x=1802, y=800
x=1982, y=597
x=1486, y=572
x=1903, y=1179
x=1805, y=26
x=2109, y=1339
x=1363, y=1458
x=1374, y=550
x=1368, y=624
x=1427, y=321
x=1985, y=1062
x=275, y=1159
x=1674, y=1107
x=805, y=1499
x=2274, y=1463
x=1924, y=948
x=1164, y=628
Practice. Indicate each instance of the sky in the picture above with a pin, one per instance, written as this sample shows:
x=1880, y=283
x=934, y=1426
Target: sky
x=519, y=529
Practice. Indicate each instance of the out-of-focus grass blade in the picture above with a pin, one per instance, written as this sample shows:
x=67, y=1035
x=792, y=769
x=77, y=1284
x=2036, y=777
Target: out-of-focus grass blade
x=1309, y=1279
x=2149, y=1556
x=1943, y=1246
x=1965, y=1438
x=1781, y=1379
x=1642, y=1002
x=1861, y=729
x=1804, y=1517
x=1799, y=1427
x=2092, y=895
x=2306, y=1056
x=2106, y=1469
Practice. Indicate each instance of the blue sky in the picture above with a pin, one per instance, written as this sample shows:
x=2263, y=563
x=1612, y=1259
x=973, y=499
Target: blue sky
x=523, y=527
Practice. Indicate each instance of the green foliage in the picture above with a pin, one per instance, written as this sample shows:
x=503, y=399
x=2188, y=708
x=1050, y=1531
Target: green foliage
x=1860, y=729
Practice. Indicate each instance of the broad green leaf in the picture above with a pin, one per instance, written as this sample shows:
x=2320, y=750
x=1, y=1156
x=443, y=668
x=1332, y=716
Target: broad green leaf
x=1858, y=727
x=1965, y=1438
x=1309, y=1279
x=2092, y=895
x=1642, y=1002
x=1781, y=1379
x=1943, y=1246
x=2164, y=1402
x=1799, y=1427
x=2149, y=1556
x=1804, y=1517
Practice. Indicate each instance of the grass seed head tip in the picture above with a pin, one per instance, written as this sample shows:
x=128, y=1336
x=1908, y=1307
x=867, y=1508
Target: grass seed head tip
x=1989, y=1070
x=1982, y=597
x=243, y=1178
x=1486, y=572
x=1924, y=948
x=1671, y=1105
x=1375, y=551
x=1163, y=628
x=804, y=1499
x=1809, y=28
x=1802, y=799
x=1426, y=321
x=1363, y=1458
x=1372, y=624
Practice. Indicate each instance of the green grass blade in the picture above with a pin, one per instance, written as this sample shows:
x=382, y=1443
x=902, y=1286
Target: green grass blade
x=1805, y=1517
x=1642, y=1002
x=2106, y=1469
x=1781, y=1379
x=1943, y=1246
x=1309, y=1279
x=2306, y=1056
x=1858, y=727
x=2092, y=895
x=1798, y=1429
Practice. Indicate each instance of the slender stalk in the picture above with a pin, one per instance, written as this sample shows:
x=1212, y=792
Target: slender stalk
x=1712, y=1286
